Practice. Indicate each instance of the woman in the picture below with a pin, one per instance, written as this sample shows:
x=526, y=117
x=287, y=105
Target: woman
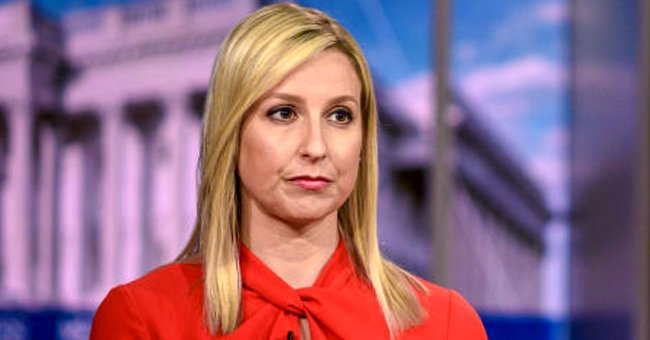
x=285, y=243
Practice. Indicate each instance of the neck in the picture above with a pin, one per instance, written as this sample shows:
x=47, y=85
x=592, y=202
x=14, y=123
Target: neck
x=295, y=253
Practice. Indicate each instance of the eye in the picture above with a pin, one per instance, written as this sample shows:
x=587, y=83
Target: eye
x=282, y=113
x=340, y=116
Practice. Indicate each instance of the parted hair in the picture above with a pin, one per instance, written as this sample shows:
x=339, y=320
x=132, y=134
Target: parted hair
x=255, y=56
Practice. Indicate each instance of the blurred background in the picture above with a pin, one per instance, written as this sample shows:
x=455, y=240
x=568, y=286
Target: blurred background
x=523, y=185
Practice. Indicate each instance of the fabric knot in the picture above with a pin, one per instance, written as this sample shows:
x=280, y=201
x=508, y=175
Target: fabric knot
x=297, y=309
x=337, y=298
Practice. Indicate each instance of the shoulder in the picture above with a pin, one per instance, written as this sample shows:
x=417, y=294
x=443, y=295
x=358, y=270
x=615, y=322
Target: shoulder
x=447, y=309
x=169, y=279
x=166, y=284
x=136, y=309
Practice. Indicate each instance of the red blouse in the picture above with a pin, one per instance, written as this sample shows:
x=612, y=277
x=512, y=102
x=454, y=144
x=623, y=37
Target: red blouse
x=167, y=304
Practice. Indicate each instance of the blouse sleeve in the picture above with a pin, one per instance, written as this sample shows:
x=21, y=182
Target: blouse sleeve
x=464, y=322
x=117, y=318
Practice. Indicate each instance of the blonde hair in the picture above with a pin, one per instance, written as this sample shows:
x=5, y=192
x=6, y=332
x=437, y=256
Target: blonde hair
x=257, y=54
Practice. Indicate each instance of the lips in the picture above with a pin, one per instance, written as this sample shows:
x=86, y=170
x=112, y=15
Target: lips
x=311, y=182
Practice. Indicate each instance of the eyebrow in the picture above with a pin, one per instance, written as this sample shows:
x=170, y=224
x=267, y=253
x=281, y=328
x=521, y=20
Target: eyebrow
x=298, y=99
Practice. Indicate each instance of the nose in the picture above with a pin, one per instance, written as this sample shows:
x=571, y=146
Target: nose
x=314, y=146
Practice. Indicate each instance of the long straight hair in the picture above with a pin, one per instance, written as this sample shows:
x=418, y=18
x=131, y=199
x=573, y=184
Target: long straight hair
x=257, y=54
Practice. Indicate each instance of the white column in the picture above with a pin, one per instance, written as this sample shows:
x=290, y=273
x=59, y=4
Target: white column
x=16, y=204
x=130, y=203
x=554, y=266
x=45, y=205
x=70, y=237
x=110, y=224
x=90, y=209
x=166, y=215
x=191, y=144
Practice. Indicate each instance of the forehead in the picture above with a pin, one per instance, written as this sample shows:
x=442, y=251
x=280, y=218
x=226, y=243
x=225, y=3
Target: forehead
x=328, y=72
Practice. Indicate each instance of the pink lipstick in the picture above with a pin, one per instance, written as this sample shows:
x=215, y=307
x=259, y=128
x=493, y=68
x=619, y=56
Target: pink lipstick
x=311, y=182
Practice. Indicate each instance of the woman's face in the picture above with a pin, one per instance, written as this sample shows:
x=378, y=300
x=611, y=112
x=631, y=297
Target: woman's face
x=301, y=143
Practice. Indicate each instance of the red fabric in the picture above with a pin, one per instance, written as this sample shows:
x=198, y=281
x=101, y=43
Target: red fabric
x=167, y=304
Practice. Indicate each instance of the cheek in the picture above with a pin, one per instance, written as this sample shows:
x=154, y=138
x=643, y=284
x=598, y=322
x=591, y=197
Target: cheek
x=347, y=159
x=251, y=156
x=261, y=156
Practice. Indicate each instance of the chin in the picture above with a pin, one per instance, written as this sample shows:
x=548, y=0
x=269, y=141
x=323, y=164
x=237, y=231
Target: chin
x=305, y=218
x=308, y=215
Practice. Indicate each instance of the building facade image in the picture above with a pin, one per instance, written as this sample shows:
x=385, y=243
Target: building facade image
x=496, y=246
x=113, y=153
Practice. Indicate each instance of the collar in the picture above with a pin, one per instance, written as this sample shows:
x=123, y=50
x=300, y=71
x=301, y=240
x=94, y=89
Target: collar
x=260, y=280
